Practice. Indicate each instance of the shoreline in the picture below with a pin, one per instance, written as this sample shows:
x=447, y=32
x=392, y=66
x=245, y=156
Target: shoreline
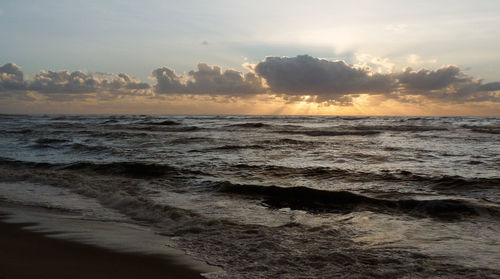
x=31, y=254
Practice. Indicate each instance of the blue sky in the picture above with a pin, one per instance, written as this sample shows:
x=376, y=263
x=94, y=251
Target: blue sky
x=138, y=36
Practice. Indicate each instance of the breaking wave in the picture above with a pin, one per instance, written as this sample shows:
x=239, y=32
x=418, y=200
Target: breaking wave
x=444, y=182
x=318, y=201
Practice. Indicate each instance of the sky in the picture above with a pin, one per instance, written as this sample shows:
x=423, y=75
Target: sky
x=250, y=57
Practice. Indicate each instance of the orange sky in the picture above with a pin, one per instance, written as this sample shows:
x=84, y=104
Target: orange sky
x=261, y=104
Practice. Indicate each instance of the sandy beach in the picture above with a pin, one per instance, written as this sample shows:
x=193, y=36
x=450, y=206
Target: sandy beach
x=26, y=254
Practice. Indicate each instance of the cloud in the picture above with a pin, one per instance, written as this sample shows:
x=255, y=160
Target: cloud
x=416, y=59
x=447, y=84
x=426, y=80
x=328, y=80
x=11, y=78
x=292, y=79
x=207, y=80
x=376, y=64
x=60, y=84
x=167, y=81
x=492, y=86
x=336, y=82
x=64, y=85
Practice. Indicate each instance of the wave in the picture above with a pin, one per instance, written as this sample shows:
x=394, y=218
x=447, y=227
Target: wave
x=128, y=169
x=89, y=148
x=160, y=128
x=285, y=141
x=447, y=182
x=399, y=128
x=50, y=140
x=249, y=125
x=483, y=129
x=444, y=182
x=283, y=172
x=113, y=134
x=235, y=147
x=131, y=169
x=189, y=140
x=495, y=131
x=318, y=201
x=353, y=118
x=161, y=123
x=152, y=127
x=321, y=133
x=22, y=131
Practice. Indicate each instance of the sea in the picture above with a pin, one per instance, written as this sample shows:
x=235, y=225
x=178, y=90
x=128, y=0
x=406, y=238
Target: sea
x=270, y=196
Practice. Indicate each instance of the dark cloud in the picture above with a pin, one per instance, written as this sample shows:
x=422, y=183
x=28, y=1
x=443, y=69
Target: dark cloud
x=11, y=78
x=306, y=75
x=337, y=82
x=426, y=80
x=78, y=82
x=448, y=84
x=64, y=85
x=207, y=80
x=167, y=81
x=323, y=81
x=492, y=86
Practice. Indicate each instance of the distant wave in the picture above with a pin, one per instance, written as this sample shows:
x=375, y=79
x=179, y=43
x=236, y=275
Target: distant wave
x=317, y=201
x=495, y=131
x=326, y=133
x=90, y=148
x=21, y=131
x=248, y=125
x=399, y=128
x=162, y=123
x=50, y=140
x=353, y=118
x=235, y=147
x=129, y=169
x=154, y=127
x=132, y=169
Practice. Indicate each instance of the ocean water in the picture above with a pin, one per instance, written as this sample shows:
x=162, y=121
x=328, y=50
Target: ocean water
x=275, y=196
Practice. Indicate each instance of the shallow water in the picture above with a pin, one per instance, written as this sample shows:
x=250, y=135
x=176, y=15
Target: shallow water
x=267, y=196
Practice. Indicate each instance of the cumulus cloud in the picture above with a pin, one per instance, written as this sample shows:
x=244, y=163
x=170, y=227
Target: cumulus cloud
x=11, y=77
x=207, y=80
x=338, y=83
x=64, y=85
x=448, y=84
x=329, y=80
x=375, y=64
x=293, y=79
x=492, y=86
x=167, y=81
x=78, y=82
x=426, y=80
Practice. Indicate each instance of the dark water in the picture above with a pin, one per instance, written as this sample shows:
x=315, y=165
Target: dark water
x=275, y=196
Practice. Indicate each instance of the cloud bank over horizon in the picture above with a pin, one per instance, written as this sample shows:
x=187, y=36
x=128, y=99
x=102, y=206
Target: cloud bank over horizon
x=296, y=79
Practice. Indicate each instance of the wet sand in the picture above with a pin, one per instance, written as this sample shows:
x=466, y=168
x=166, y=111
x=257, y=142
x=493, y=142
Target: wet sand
x=26, y=254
